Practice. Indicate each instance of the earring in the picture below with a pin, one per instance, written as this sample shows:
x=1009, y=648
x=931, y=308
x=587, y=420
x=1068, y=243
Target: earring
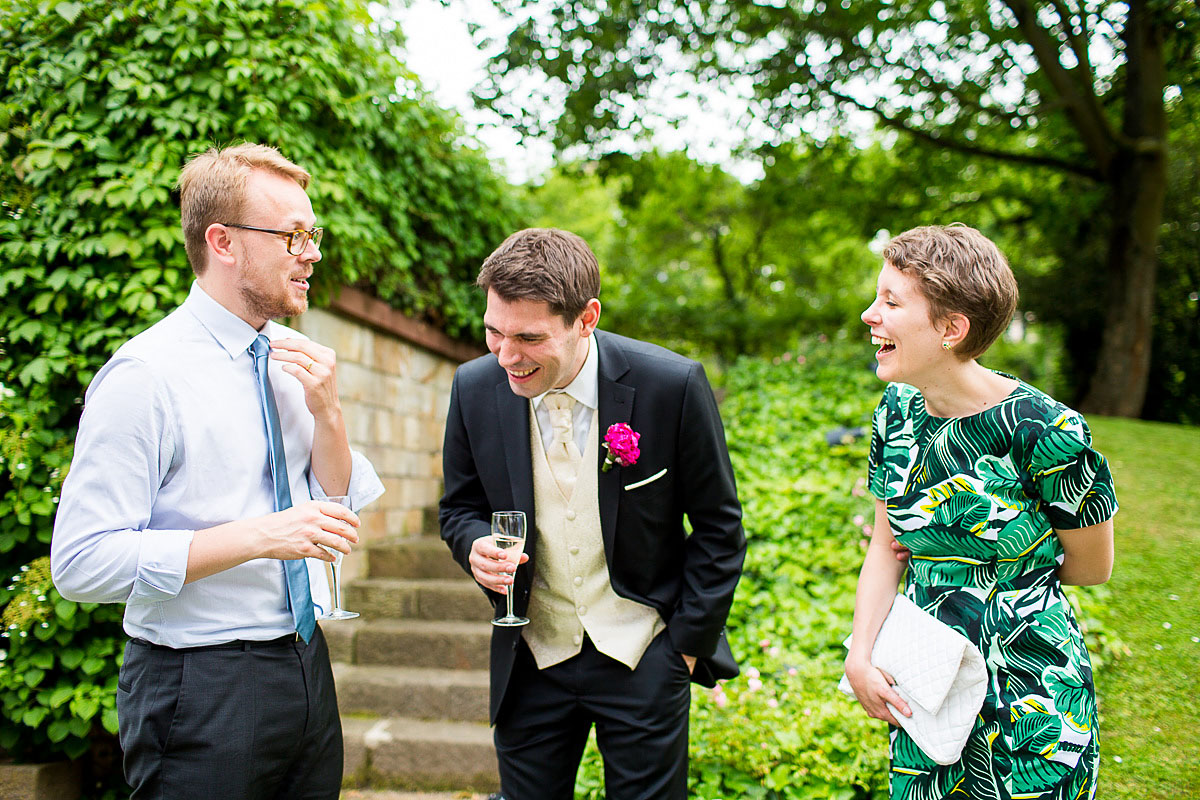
x=945, y=345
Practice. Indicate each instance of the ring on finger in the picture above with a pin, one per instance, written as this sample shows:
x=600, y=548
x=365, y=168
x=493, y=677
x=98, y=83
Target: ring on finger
x=308, y=367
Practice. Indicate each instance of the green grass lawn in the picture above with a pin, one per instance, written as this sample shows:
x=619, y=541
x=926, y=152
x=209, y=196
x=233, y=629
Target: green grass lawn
x=1150, y=699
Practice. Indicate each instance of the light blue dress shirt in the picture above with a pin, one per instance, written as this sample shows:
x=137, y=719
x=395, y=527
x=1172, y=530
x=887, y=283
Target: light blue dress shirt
x=172, y=442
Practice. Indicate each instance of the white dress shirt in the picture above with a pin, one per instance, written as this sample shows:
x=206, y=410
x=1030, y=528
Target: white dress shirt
x=172, y=441
x=585, y=388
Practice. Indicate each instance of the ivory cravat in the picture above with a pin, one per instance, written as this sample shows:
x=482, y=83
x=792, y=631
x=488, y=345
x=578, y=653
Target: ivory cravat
x=563, y=455
x=298, y=590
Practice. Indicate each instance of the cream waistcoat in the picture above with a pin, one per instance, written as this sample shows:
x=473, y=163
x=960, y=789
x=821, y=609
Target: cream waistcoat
x=571, y=592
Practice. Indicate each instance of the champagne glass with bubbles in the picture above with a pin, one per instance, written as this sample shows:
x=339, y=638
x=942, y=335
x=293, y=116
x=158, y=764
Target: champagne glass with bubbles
x=508, y=534
x=336, y=566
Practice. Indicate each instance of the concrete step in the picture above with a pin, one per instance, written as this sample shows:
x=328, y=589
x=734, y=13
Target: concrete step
x=401, y=753
x=419, y=557
x=458, y=598
x=414, y=692
x=55, y=780
x=439, y=644
x=340, y=634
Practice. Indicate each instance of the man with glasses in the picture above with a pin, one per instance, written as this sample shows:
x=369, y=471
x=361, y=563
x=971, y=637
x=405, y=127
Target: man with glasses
x=207, y=452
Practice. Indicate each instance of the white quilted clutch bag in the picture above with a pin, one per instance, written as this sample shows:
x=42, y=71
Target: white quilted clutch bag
x=938, y=672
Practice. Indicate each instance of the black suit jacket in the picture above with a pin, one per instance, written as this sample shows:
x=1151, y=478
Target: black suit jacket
x=689, y=579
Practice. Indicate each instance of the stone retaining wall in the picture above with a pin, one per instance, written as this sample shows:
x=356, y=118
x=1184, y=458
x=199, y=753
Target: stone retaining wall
x=394, y=377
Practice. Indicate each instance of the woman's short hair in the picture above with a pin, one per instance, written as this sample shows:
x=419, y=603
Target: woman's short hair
x=545, y=265
x=960, y=271
x=212, y=188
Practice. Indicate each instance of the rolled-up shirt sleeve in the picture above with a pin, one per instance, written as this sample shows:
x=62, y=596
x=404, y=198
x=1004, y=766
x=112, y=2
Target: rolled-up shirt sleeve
x=365, y=486
x=103, y=550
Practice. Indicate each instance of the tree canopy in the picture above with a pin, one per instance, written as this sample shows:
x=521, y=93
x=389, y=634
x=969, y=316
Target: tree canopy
x=694, y=259
x=1077, y=90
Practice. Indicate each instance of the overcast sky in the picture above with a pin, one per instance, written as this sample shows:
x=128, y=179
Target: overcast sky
x=441, y=52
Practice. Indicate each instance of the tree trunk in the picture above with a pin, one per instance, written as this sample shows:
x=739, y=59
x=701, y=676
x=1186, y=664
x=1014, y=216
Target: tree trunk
x=1138, y=180
x=735, y=319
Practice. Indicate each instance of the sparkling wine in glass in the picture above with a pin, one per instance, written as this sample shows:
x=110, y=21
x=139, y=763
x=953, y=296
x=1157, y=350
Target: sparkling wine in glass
x=337, y=612
x=508, y=534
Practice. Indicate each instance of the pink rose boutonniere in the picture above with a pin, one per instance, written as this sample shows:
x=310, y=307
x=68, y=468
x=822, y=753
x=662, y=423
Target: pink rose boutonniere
x=621, y=442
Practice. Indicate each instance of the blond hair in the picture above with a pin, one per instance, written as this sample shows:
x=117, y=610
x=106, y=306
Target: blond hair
x=544, y=264
x=960, y=271
x=212, y=189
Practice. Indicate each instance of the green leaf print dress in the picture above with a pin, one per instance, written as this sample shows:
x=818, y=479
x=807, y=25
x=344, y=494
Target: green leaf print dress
x=976, y=499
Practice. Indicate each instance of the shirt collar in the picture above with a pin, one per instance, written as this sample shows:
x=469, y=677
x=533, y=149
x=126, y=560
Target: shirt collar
x=586, y=386
x=232, y=332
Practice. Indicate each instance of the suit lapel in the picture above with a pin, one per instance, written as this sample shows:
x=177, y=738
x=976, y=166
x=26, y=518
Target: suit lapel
x=616, y=405
x=513, y=415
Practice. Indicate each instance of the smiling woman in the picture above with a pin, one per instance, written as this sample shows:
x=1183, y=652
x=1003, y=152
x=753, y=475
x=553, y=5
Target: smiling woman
x=996, y=497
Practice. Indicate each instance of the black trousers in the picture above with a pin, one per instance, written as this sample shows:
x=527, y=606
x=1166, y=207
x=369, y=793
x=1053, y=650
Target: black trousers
x=252, y=723
x=641, y=719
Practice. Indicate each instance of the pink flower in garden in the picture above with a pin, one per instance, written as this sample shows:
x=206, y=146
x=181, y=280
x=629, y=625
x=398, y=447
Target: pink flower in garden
x=773, y=703
x=800, y=359
x=721, y=700
x=754, y=684
x=752, y=672
x=621, y=442
x=764, y=643
x=867, y=530
x=774, y=652
x=792, y=671
x=859, y=519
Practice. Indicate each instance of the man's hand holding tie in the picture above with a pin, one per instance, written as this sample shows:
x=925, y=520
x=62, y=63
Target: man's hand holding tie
x=315, y=366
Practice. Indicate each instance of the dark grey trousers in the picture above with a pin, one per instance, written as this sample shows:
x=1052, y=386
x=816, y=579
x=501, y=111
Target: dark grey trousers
x=641, y=719
x=253, y=723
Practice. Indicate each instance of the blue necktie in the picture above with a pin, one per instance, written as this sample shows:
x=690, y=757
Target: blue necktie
x=299, y=593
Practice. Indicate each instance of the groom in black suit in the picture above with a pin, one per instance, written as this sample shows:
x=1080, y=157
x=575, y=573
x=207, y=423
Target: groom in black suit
x=626, y=608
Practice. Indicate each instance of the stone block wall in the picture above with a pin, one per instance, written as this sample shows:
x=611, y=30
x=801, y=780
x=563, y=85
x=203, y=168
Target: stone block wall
x=394, y=378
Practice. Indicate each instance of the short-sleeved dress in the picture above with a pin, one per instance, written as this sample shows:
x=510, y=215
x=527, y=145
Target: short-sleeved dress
x=976, y=499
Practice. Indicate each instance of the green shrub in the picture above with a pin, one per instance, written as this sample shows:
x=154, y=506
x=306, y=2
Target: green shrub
x=59, y=678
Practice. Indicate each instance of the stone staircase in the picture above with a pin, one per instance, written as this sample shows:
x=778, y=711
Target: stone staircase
x=412, y=673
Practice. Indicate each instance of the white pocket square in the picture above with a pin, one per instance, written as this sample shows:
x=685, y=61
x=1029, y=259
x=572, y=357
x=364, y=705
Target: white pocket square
x=651, y=479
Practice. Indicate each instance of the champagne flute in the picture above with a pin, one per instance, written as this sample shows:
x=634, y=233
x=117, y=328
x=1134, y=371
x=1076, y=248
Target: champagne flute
x=337, y=612
x=508, y=533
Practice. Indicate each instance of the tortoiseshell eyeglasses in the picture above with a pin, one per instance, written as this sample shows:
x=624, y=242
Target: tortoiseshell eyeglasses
x=296, y=240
